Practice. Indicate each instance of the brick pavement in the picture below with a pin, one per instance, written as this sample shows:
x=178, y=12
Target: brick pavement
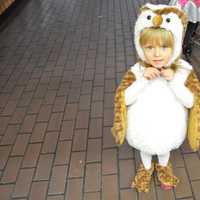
x=60, y=62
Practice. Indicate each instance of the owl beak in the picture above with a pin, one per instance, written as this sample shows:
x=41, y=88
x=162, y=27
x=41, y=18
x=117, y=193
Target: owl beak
x=157, y=20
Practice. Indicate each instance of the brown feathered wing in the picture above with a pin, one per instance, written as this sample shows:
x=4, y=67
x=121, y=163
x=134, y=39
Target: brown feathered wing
x=119, y=125
x=193, y=134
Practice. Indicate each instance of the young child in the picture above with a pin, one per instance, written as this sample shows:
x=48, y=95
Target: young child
x=152, y=101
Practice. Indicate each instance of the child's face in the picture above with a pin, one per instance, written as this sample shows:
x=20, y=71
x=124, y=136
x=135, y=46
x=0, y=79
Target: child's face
x=157, y=55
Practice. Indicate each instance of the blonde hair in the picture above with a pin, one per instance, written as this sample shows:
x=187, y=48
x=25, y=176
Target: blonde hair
x=156, y=36
x=160, y=37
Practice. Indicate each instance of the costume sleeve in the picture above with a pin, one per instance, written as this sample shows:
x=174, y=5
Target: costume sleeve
x=183, y=94
x=134, y=89
x=193, y=135
x=119, y=125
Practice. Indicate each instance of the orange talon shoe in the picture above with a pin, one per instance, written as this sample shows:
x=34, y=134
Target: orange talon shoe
x=142, y=179
x=166, y=177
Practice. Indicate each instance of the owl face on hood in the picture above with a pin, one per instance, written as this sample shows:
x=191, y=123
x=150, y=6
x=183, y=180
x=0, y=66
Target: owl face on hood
x=170, y=18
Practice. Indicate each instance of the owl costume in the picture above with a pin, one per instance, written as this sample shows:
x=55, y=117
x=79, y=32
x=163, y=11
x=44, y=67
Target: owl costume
x=144, y=107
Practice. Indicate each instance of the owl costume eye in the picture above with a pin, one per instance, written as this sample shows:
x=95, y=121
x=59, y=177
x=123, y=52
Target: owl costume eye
x=149, y=17
x=168, y=20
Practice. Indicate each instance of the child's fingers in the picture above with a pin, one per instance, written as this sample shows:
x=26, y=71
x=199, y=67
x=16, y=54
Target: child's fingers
x=155, y=73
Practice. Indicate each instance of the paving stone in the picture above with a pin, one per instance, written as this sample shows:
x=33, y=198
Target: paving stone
x=110, y=85
x=23, y=183
x=80, y=140
x=10, y=108
x=165, y=195
x=38, y=190
x=125, y=151
x=185, y=148
x=44, y=167
x=11, y=170
x=84, y=103
x=110, y=73
x=25, y=99
x=183, y=189
x=28, y=123
x=3, y=124
x=59, y=104
x=192, y=165
x=93, y=178
x=10, y=135
x=95, y=128
x=109, y=100
x=97, y=109
x=128, y=194
x=50, y=142
x=18, y=116
x=74, y=95
x=6, y=191
x=31, y=155
x=35, y=106
x=57, y=197
x=20, y=145
x=126, y=173
x=91, y=196
x=108, y=140
x=4, y=154
x=89, y=74
x=108, y=117
x=63, y=153
x=150, y=195
x=98, y=93
x=58, y=180
x=177, y=158
x=82, y=119
x=110, y=187
x=195, y=188
x=94, y=150
x=32, y=84
x=50, y=97
x=40, y=91
x=67, y=130
x=70, y=111
x=55, y=122
x=86, y=87
x=74, y=185
x=77, y=164
x=44, y=114
x=38, y=132
x=109, y=161
x=63, y=89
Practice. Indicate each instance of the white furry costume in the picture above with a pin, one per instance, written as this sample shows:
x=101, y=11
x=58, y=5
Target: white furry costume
x=156, y=113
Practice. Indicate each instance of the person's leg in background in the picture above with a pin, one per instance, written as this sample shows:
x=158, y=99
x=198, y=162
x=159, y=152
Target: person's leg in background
x=190, y=32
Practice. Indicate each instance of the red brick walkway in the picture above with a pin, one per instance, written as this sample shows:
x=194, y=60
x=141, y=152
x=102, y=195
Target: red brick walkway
x=60, y=62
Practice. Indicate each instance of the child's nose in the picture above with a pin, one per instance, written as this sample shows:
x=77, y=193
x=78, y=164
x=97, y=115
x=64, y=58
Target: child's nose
x=157, y=51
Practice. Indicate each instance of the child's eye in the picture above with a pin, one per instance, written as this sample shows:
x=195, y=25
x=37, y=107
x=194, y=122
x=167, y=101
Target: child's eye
x=149, y=47
x=164, y=46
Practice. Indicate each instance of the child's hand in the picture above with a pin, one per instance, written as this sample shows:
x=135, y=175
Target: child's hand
x=151, y=73
x=167, y=74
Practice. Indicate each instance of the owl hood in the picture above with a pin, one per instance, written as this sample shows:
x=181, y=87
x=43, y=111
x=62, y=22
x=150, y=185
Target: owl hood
x=171, y=18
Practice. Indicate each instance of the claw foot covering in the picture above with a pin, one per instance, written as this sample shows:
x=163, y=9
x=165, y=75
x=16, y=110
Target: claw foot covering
x=142, y=179
x=166, y=177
